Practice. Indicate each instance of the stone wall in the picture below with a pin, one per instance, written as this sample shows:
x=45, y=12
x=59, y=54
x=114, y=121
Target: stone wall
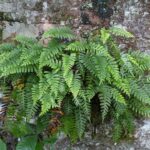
x=135, y=16
x=32, y=17
x=102, y=141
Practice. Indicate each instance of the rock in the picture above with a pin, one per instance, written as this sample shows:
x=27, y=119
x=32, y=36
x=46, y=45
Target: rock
x=143, y=135
x=104, y=142
x=20, y=28
x=146, y=35
x=1, y=95
x=8, y=7
x=130, y=14
x=134, y=14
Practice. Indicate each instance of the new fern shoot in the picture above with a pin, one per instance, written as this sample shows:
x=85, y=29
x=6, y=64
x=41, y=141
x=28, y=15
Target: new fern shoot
x=69, y=75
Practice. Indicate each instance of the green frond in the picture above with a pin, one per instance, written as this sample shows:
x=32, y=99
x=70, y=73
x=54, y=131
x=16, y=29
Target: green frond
x=117, y=132
x=123, y=126
x=18, y=127
x=123, y=85
x=68, y=62
x=139, y=108
x=60, y=33
x=28, y=142
x=86, y=106
x=139, y=93
x=142, y=59
x=76, y=85
x=78, y=46
x=80, y=121
x=105, y=97
x=69, y=127
x=120, y=32
x=16, y=70
x=90, y=91
x=49, y=61
x=105, y=35
x=54, y=81
x=117, y=96
x=6, y=47
x=35, y=93
x=49, y=55
x=68, y=106
x=25, y=40
x=48, y=102
x=69, y=78
x=97, y=65
x=126, y=66
x=98, y=49
x=113, y=68
x=84, y=103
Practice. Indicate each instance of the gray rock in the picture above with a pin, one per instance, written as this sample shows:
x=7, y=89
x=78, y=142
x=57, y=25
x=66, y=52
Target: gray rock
x=143, y=135
x=8, y=7
x=19, y=28
x=104, y=142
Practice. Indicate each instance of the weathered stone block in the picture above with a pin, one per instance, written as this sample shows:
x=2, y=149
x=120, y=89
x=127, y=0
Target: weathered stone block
x=8, y=7
x=20, y=28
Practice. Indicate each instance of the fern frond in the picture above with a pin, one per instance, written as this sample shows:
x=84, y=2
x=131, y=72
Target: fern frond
x=139, y=108
x=28, y=142
x=54, y=81
x=120, y=32
x=117, y=96
x=96, y=65
x=105, y=35
x=60, y=33
x=142, y=59
x=6, y=47
x=48, y=102
x=117, y=132
x=98, y=49
x=113, y=68
x=78, y=46
x=69, y=127
x=139, y=93
x=105, y=97
x=68, y=106
x=68, y=62
x=80, y=122
x=84, y=103
x=25, y=40
x=16, y=70
x=76, y=85
x=123, y=85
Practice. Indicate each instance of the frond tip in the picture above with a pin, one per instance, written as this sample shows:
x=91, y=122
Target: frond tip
x=60, y=33
x=120, y=32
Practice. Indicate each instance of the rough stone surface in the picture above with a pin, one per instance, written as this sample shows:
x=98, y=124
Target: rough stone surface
x=32, y=14
x=21, y=28
x=102, y=141
x=135, y=16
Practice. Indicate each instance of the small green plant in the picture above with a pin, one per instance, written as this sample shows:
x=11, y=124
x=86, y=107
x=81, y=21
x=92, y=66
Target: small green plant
x=70, y=75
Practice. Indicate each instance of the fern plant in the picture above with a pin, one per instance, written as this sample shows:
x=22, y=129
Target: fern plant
x=71, y=75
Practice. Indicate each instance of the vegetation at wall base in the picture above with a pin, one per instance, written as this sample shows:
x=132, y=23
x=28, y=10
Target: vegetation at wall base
x=70, y=82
